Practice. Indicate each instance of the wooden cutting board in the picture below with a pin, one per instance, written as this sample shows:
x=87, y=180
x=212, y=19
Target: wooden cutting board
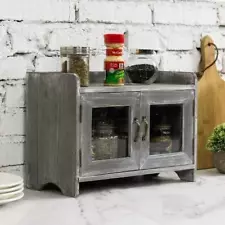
x=211, y=102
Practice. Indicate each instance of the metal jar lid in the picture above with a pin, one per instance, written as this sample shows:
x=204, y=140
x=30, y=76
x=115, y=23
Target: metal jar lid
x=74, y=50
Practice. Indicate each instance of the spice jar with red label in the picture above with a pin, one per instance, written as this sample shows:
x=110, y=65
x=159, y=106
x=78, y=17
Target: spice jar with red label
x=114, y=63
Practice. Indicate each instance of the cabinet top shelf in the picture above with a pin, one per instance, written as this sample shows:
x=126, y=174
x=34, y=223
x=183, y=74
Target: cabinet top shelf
x=136, y=87
x=166, y=81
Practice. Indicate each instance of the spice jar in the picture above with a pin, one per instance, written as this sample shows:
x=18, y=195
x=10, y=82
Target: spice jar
x=104, y=142
x=161, y=137
x=76, y=60
x=141, y=67
x=114, y=63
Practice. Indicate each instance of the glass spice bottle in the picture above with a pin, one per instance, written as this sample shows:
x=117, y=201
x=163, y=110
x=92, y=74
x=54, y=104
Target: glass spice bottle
x=76, y=60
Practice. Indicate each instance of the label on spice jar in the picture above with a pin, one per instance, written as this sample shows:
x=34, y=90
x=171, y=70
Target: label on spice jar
x=114, y=52
x=114, y=73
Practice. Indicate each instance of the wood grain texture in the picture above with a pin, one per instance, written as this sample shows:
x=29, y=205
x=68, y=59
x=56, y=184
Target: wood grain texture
x=97, y=100
x=185, y=100
x=163, y=77
x=135, y=87
x=31, y=124
x=55, y=128
x=53, y=114
x=187, y=175
x=211, y=107
x=138, y=173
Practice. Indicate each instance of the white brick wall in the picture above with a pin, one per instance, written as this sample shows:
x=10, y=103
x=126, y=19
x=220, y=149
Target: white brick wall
x=14, y=67
x=115, y=11
x=32, y=31
x=12, y=122
x=187, y=13
x=14, y=94
x=74, y=35
x=37, y=10
x=187, y=61
x=28, y=38
x=46, y=64
x=4, y=42
x=11, y=149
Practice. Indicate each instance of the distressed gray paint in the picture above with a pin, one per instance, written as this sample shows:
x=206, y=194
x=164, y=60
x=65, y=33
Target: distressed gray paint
x=164, y=77
x=187, y=168
x=53, y=112
x=55, y=131
x=184, y=98
x=95, y=100
x=31, y=124
x=135, y=87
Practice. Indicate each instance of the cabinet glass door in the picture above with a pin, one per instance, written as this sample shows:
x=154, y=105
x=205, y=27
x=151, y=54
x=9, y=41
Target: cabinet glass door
x=170, y=128
x=166, y=128
x=108, y=129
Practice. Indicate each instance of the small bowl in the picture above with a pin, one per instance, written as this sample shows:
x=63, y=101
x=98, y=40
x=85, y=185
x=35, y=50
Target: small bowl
x=142, y=73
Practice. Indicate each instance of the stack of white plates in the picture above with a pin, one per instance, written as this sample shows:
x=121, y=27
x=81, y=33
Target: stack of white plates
x=11, y=188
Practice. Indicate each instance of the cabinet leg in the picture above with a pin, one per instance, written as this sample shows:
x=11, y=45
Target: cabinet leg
x=186, y=175
x=72, y=191
x=67, y=190
x=151, y=176
x=154, y=175
x=33, y=187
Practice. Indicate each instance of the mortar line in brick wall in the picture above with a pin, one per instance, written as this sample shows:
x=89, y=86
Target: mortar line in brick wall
x=59, y=22
x=13, y=135
x=10, y=39
x=114, y=23
x=149, y=26
x=12, y=79
x=14, y=165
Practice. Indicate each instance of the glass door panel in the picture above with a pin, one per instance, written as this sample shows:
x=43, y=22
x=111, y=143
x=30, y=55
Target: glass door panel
x=166, y=129
x=110, y=126
x=108, y=131
x=171, y=126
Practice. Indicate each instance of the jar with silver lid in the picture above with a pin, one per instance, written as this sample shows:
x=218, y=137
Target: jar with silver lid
x=104, y=142
x=76, y=60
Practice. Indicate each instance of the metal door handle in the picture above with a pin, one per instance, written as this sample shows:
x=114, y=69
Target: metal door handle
x=137, y=130
x=145, y=121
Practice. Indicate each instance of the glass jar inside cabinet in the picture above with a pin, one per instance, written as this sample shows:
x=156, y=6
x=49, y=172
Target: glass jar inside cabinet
x=109, y=133
x=166, y=129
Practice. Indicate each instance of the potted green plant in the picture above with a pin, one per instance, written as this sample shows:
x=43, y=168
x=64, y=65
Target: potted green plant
x=216, y=144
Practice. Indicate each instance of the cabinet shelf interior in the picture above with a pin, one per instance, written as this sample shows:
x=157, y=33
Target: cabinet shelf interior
x=110, y=132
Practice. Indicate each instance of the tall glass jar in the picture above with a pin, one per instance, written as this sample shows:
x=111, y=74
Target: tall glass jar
x=76, y=60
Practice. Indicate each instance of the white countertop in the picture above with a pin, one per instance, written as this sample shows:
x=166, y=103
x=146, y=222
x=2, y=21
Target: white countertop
x=162, y=201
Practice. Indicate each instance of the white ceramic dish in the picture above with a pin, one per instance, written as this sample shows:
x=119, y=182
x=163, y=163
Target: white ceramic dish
x=11, y=189
x=8, y=180
x=16, y=198
x=10, y=194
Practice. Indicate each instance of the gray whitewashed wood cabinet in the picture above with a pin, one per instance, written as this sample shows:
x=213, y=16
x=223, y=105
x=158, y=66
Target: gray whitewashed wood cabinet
x=64, y=145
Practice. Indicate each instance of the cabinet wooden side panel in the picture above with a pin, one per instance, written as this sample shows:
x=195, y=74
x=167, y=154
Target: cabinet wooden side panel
x=31, y=124
x=53, y=131
x=48, y=128
x=58, y=143
x=68, y=131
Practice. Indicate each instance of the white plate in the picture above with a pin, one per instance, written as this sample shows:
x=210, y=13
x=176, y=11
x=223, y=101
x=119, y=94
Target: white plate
x=15, y=188
x=8, y=180
x=11, y=194
x=18, y=197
